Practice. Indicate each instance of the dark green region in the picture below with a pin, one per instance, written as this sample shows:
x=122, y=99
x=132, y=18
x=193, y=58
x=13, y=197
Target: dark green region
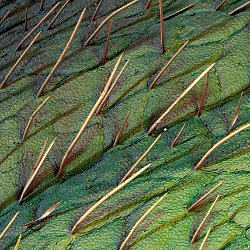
x=96, y=167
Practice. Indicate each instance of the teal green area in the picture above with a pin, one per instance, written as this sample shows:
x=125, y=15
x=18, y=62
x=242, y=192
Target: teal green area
x=95, y=166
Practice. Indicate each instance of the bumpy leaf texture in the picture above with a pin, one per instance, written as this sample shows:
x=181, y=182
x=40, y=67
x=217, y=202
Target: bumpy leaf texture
x=95, y=167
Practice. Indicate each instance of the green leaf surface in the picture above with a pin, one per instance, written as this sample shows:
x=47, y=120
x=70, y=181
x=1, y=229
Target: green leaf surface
x=96, y=167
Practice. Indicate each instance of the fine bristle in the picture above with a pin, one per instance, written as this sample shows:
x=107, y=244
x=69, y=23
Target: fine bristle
x=149, y=2
x=104, y=101
x=39, y=156
x=205, y=238
x=139, y=222
x=42, y=4
x=184, y=93
x=96, y=10
x=163, y=49
x=36, y=27
x=57, y=15
x=168, y=64
x=35, y=172
x=61, y=58
x=18, y=242
x=8, y=226
x=178, y=12
x=141, y=159
x=107, y=43
x=89, y=118
x=178, y=136
x=106, y=197
x=220, y=5
x=121, y=130
x=44, y=216
x=4, y=82
x=29, y=125
x=204, y=197
x=5, y=17
x=236, y=113
x=196, y=235
x=26, y=20
x=203, y=95
x=106, y=20
x=243, y=7
x=210, y=151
